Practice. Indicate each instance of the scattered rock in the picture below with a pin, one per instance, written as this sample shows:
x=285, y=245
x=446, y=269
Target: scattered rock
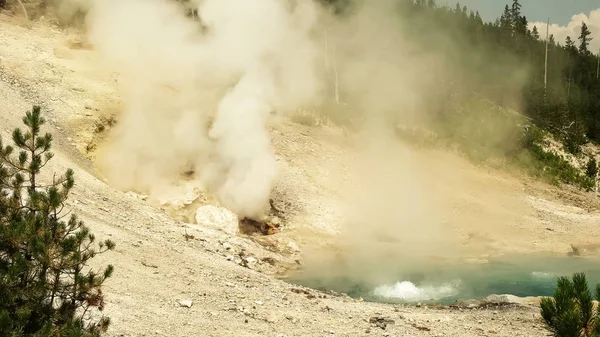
x=188, y=236
x=300, y=291
x=381, y=322
x=137, y=196
x=251, y=226
x=503, y=300
x=494, y=301
x=186, y=303
x=149, y=265
x=269, y=260
x=308, y=294
x=421, y=328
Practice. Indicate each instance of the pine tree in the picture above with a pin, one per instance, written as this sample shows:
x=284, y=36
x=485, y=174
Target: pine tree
x=516, y=20
x=521, y=25
x=506, y=19
x=478, y=18
x=535, y=34
x=570, y=45
x=515, y=10
x=46, y=288
x=584, y=39
x=570, y=312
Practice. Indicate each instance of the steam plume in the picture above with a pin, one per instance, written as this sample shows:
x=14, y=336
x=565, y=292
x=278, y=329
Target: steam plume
x=200, y=95
x=254, y=58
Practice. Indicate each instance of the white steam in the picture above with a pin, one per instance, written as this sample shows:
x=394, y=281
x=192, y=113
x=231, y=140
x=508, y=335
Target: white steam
x=408, y=291
x=251, y=59
x=243, y=146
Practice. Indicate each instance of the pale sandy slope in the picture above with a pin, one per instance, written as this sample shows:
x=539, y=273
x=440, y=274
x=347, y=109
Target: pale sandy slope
x=156, y=267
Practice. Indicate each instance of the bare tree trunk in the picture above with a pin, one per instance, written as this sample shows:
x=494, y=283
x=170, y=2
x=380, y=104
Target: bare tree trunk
x=337, y=86
x=569, y=85
x=598, y=67
x=331, y=63
x=546, y=60
x=24, y=10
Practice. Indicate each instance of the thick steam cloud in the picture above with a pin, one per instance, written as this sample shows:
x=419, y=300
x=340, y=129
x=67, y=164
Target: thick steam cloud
x=200, y=95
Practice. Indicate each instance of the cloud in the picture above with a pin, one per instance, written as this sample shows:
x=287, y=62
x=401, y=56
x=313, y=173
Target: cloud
x=573, y=28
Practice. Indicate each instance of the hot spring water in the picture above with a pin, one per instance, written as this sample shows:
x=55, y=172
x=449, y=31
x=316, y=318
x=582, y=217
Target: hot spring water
x=445, y=284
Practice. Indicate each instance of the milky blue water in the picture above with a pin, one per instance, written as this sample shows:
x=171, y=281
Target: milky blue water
x=445, y=284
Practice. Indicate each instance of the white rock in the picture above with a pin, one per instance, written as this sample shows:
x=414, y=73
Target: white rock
x=275, y=221
x=178, y=197
x=218, y=217
x=293, y=246
x=186, y=303
x=137, y=196
x=251, y=259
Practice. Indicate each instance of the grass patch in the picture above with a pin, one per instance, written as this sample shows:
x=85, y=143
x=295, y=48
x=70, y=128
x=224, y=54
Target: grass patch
x=549, y=165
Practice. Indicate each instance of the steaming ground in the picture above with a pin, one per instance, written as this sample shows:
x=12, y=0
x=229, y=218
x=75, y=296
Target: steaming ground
x=484, y=212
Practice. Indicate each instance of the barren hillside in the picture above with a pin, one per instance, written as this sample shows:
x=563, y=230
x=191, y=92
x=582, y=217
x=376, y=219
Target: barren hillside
x=164, y=257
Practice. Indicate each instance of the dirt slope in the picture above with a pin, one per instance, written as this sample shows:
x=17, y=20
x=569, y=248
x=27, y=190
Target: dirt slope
x=156, y=266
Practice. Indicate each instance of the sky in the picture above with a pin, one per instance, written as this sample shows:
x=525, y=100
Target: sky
x=565, y=16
